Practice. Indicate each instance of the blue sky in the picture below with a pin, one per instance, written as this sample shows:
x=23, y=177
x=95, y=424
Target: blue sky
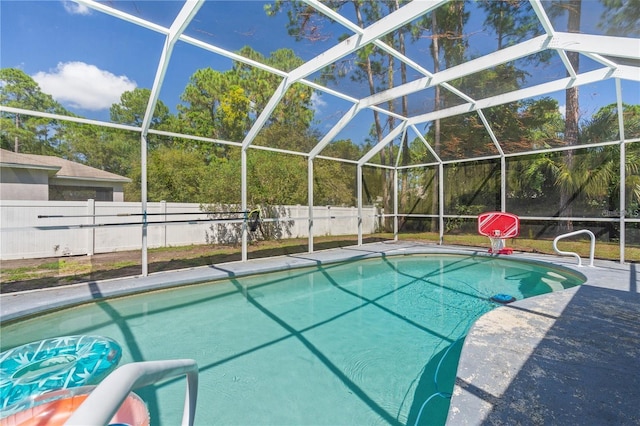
x=86, y=59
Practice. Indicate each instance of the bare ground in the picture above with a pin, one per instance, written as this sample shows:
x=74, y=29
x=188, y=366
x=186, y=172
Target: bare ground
x=30, y=274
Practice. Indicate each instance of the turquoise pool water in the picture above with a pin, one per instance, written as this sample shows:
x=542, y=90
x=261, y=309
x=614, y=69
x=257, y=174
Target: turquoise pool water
x=356, y=343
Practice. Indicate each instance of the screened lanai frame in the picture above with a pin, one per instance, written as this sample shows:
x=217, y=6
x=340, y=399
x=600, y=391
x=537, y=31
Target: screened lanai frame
x=618, y=59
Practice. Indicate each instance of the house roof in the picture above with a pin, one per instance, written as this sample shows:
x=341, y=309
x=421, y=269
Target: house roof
x=62, y=168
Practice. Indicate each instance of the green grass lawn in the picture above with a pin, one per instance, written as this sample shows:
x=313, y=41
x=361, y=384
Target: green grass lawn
x=608, y=251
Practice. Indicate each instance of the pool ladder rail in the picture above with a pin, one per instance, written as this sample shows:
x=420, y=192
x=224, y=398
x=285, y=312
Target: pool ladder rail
x=576, y=255
x=105, y=400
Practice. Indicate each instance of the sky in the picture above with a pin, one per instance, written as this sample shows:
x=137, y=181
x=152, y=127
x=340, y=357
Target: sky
x=86, y=59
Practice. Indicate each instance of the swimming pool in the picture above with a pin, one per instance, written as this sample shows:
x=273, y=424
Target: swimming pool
x=348, y=343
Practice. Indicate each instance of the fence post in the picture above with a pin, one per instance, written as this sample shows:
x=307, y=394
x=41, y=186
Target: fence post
x=91, y=231
x=163, y=210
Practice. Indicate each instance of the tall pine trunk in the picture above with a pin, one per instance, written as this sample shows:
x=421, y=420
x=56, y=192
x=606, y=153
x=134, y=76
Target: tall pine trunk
x=376, y=116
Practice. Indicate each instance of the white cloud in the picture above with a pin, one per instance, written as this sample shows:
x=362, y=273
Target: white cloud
x=76, y=8
x=85, y=86
x=563, y=111
x=316, y=102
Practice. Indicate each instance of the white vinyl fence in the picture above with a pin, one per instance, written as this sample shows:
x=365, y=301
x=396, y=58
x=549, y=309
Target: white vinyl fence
x=36, y=229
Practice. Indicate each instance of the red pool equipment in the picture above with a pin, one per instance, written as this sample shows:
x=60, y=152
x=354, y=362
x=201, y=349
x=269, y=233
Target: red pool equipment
x=499, y=226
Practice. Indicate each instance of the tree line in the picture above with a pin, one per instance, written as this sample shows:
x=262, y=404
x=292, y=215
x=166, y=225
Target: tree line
x=557, y=181
x=223, y=105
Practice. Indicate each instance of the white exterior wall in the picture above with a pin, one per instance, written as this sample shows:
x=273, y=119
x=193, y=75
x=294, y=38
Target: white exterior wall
x=33, y=184
x=118, y=193
x=24, y=184
x=22, y=233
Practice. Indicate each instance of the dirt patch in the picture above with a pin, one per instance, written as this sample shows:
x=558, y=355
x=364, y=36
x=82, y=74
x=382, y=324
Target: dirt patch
x=31, y=274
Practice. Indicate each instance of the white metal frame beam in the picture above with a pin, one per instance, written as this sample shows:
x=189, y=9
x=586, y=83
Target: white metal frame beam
x=529, y=92
x=376, y=30
x=511, y=53
x=442, y=78
x=548, y=27
x=620, y=47
x=389, y=23
x=623, y=170
x=337, y=128
x=188, y=11
x=386, y=140
x=559, y=41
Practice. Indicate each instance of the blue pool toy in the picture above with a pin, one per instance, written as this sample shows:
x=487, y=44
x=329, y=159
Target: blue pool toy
x=58, y=363
x=503, y=298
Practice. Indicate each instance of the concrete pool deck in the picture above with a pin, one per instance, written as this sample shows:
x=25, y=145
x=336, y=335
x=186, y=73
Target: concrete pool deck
x=564, y=358
x=569, y=357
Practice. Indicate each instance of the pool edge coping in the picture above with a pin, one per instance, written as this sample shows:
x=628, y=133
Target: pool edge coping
x=17, y=306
